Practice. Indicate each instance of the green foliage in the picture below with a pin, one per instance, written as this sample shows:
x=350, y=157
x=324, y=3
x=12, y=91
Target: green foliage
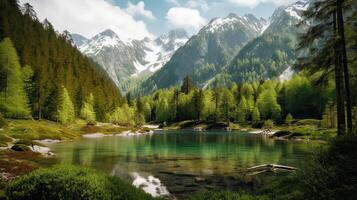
x=69, y=182
x=268, y=124
x=226, y=195
x=256, y=114
x=268, y=105
x=55, y=63
x=242, y=103
x=139, y=119
x=87, y=110
x=65, y=108
x=3, y=122
x=187, y=85
x=14, y=101
x=289, y=118
x=162, y=111
x=332, y=175
x=122, y=115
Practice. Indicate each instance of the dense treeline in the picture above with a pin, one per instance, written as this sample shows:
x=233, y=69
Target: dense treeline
x=53, y=72
x=248, y=102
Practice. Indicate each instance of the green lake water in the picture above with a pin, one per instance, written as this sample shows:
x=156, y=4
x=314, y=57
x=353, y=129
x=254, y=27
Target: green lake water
x=183, y=161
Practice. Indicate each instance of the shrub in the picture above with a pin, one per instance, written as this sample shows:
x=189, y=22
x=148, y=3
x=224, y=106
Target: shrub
x=268, y=124
x=70, y=182
x=332, y=174
x=314, y=122
x=3, y=122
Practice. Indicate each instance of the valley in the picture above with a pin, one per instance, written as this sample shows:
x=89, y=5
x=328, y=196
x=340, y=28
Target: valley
x=189, y=106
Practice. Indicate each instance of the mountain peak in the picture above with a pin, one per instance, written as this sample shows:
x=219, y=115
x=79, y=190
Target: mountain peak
x=109, y=33
x=178, y=33
x=232, y=15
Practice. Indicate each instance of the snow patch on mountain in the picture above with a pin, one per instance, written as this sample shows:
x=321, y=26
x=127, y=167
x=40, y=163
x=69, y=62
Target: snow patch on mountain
x=286, y=75
x=123, y=59
x=232, y=20
x=295, y=9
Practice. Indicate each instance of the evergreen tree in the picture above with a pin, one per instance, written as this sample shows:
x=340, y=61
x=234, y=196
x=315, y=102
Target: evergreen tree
x=198, y=103
x=87, y=111
x=14, y=101
x=255, y=114
x=289, y=118
x=242, y=109
x=187, y=85
x=227, y=105
x=162, y=114
x=65, y=109
x=268, y=106
x=325, y=41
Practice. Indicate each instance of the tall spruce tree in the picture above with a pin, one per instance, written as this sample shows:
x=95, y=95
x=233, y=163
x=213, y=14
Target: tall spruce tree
x=14, y=100
x=325, y=41
x=187, y=85
x=65, y=109
x=87, y=110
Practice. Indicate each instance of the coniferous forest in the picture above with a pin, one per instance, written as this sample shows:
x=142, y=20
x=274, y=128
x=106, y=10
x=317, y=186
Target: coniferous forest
x=271, y=117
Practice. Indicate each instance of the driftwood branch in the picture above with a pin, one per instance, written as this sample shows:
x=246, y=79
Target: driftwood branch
x=268, y=168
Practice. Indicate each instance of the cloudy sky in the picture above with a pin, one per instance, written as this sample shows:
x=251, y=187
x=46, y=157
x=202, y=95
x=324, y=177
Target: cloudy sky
x=143, y=18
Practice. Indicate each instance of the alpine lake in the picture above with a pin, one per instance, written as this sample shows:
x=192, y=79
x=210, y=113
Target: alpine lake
x=176, y=164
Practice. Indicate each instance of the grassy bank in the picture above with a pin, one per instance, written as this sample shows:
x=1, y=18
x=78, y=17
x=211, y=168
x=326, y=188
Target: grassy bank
x=299, y=129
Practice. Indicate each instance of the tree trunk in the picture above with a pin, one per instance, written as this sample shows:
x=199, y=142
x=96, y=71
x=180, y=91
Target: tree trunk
x=344, y=62
x=341, y=123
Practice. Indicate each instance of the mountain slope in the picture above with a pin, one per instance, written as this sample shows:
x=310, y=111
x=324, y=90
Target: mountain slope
x=56, y=64
x=126, y=60
x=270, y=54
x=206, y=53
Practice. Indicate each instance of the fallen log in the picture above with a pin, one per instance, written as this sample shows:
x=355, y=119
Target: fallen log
x=271, y=167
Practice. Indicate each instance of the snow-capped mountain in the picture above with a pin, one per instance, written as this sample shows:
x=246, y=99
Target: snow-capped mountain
x=271, y=54
x=78, y=40
x=125, y=59
x=287, y=16
x=233, y=20
x=207, y=52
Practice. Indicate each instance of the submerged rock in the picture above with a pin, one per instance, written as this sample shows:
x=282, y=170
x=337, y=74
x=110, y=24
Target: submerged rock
x=20, y=147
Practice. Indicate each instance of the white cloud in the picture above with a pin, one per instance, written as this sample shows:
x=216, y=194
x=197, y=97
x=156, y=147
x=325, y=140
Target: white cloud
x=199, y=4
x=181, y=17
x=89, y=17
x=173, y=2
x=253, y=3
x=139, y=10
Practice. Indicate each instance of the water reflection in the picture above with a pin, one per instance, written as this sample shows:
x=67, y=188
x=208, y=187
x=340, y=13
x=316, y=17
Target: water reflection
x=181, y=154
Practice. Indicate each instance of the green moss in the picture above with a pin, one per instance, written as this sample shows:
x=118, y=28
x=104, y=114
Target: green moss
x=70, y=182
x=3, y=122
x=37, y=130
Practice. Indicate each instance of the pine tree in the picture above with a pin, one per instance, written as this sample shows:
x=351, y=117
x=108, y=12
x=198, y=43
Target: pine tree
x=242, y=109
x=325, y=41
x=14, y=101
x=289, y=118
x=87, y=111
x=65, y=109
x=268, y=105
x=162, y=114
x=187, y=85
x=198, y=103
x=255, y=114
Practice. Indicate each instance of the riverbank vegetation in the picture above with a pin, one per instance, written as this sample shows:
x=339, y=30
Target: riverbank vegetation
x=70, y=182
x=49, y=90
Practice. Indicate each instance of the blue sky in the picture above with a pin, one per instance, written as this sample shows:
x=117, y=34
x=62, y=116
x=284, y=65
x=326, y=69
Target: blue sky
x=213, y=8
x=137, y=19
